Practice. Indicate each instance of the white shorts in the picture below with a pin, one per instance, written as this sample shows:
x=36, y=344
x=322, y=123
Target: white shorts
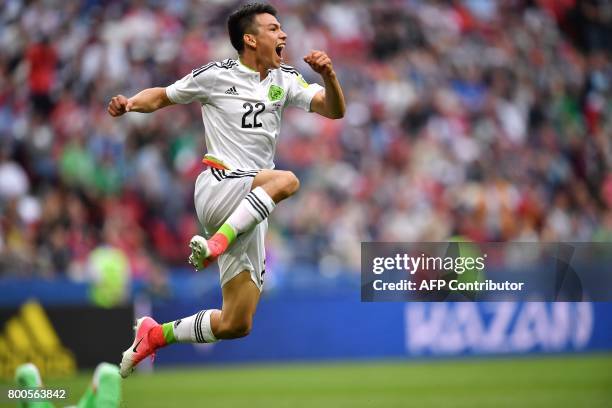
x=216, y=197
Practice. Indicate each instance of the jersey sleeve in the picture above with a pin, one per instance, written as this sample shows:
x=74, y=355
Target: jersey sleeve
x=194, y=86
x=300, y=92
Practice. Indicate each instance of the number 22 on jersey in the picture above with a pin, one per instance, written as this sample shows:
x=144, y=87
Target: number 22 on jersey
x=256, y=110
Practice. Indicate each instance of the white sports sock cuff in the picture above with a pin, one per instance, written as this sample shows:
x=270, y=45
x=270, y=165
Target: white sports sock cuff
x=184, y=331
x=264, y=199
x=259, y=204
x=252, y=209
x=205, y=334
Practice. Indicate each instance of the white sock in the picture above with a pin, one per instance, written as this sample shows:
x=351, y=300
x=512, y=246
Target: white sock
x=252, y=210
x=194, y=329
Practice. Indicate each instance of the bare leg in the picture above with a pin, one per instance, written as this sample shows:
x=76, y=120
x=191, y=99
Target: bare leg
x=277, y=183
x=240, y=298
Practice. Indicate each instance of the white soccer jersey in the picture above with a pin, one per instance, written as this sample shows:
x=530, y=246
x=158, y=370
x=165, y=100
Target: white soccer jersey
x=242, y=115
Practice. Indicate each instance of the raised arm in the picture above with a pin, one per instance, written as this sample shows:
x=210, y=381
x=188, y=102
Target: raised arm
x=329, y=102
x=148, y=100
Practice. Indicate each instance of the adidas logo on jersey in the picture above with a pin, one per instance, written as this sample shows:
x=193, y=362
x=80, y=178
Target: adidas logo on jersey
x=232, y=91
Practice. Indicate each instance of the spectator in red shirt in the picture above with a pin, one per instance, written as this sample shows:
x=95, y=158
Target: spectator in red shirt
x=42, y=61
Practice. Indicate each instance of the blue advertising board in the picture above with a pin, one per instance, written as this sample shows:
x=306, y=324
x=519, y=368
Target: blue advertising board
x=328, y=328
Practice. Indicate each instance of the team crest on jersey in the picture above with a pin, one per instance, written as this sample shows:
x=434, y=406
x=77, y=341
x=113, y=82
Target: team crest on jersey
x=275, y=93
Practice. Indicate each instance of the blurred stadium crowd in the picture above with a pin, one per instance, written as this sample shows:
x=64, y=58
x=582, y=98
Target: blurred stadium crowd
x=473, y=118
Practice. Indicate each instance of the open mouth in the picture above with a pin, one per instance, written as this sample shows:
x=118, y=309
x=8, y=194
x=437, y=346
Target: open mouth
x=279, y=50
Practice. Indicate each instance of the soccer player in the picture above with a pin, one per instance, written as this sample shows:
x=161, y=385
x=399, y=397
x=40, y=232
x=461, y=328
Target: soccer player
x=242, y=104
x=104, y=391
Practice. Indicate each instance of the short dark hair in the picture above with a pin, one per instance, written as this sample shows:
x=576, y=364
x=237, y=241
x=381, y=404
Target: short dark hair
x=241, y=21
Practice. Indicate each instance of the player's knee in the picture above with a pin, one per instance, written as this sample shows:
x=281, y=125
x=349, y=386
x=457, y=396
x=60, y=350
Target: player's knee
x=239, y=328
x=291, y=183
x=242, y=329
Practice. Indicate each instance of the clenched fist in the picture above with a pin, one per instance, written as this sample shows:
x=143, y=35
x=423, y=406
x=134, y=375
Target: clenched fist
x=119, y=105
x=319, y=62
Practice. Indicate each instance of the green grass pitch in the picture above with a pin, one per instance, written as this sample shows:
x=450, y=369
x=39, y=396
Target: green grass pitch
x=565, y=381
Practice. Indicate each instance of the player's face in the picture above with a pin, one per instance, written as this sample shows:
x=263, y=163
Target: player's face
x=270, y=39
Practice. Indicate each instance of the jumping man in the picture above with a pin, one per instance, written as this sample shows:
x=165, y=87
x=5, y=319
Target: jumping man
x=242, y=104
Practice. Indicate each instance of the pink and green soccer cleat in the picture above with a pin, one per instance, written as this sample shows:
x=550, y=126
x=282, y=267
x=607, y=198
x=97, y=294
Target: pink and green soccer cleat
x=146, y=341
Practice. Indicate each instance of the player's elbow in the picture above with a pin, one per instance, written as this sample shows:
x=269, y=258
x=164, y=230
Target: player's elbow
x=161, y=99
x=336, y=113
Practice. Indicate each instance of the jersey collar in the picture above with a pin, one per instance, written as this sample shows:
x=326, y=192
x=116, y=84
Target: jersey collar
x=249, y=70
x=246, y=69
